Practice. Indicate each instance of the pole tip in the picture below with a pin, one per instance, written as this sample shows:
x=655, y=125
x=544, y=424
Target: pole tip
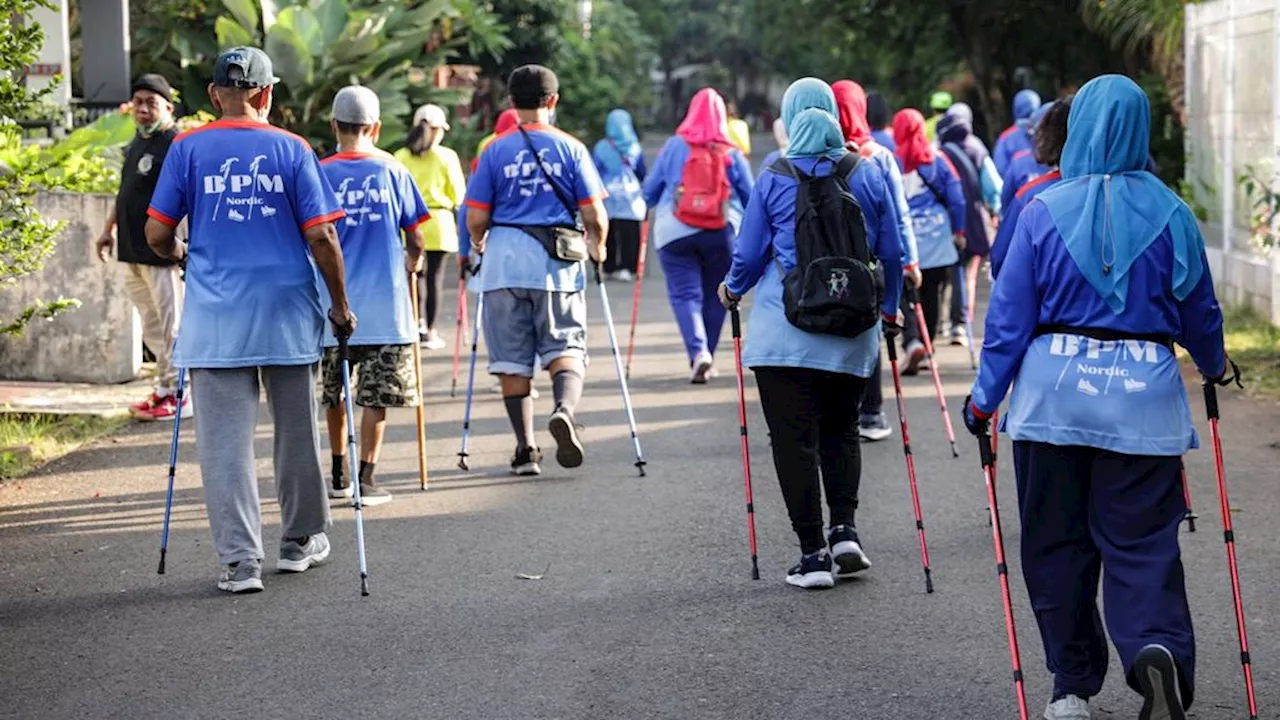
x=640, y=466
x=928, y=583
x=755, y=568
x=160, y=570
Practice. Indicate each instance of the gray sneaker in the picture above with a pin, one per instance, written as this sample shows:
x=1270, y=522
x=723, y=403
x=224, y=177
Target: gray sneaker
x=242, y=577
x=1068, y=708
x=296, y=558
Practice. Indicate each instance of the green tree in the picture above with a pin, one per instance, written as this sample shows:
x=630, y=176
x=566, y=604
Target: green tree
x=608, y=70
x=1151, y=29
x=26, y=239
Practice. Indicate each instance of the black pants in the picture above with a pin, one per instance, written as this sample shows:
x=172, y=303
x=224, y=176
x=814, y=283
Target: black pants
x=622, y=246
x=813, y=424
x=431, y=286
x=931, y=296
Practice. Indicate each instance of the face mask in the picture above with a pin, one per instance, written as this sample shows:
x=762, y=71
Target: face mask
x=152, y=128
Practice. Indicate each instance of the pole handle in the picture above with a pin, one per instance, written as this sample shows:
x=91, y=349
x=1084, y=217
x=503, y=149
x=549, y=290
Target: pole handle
x=892, y=348
x=1211, y=399
x=599, y=268
x=736, y=319
x=984, y=450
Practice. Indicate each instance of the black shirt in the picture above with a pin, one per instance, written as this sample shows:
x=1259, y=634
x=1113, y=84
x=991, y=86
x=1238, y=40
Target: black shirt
x=142, y=160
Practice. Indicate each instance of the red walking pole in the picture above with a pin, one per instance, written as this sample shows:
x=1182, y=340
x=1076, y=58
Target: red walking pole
x=461, y=329
x=1228, y=534
x=746, y=449
x=933, y=368
x=911, y=463
x=635, y=293
x=1002, y=570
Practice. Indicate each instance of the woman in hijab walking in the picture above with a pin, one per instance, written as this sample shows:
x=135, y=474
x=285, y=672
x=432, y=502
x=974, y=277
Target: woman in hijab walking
x=438, y=173
x=1016, y=137
x=851, y=101
x=698, y=163
x=1105, y=272
x=1051, y=137
x=621, y=166
x=937, y=208
x=809, y=382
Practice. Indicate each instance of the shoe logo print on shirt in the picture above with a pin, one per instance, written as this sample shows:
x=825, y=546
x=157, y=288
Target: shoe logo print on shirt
x=241, y=193
x=838, y=283
x=1087, y=388
x=362, y=203
x=1134, y=386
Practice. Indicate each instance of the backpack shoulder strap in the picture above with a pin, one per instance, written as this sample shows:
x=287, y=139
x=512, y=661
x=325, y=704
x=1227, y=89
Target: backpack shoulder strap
x=848, y=165
x=783, y=166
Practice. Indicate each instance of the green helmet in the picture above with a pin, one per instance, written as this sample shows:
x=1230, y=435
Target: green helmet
x=941, y=100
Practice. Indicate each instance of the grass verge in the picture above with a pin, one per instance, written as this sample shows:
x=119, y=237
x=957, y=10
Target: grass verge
x=1254, y=343
x=28, y=440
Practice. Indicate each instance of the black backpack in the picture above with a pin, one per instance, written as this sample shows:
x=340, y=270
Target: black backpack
x=832, y=290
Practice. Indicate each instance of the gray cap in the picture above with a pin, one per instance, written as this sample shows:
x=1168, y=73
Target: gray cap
x=356, y=104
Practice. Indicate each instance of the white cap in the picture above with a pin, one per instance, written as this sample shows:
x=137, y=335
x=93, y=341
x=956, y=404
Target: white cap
x=356, y=104
x=432, y=115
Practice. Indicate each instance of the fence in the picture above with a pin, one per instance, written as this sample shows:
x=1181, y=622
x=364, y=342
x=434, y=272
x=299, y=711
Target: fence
x=1233, y=130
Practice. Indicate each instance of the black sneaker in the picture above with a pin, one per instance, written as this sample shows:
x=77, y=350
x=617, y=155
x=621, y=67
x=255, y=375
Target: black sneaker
x=568, y=447
x=813, y=572
x=372, y=494
x=525, y=462
x=846, y=551
x=1157, y=674
x=340, y=488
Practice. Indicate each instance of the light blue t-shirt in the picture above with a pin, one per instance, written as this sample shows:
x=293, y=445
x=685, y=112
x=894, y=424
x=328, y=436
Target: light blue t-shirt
x=249, y=191
x=381, y=200
x=509, y=183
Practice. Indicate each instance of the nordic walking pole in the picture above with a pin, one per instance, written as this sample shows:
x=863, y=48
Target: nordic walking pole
x=911, y=463
x=353, y=460
x=635, y=294
x=417, y=379
x=617, y=363
x=963, y=289
x=1190, y=517
x=1002, y=570
x=933, y=368
x=1228, y=534
x=173, y=468
x=746, y=449
x=471, y=384
x=461, y=325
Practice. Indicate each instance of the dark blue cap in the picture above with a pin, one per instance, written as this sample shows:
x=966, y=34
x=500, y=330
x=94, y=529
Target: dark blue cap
x=244, y=67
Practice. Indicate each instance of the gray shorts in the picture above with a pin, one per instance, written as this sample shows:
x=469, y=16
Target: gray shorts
x=521, y=326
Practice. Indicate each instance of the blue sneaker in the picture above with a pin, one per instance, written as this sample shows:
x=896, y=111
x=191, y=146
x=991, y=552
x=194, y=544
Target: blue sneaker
x=846, y=551
x=813, y=572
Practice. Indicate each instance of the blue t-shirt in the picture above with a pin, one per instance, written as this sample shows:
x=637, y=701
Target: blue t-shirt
x=884, y=138
x=248, y=190
x=622, y=179
x=509, y=183
x=1126, y=396
x=1012, y=211
x=381, y=200
x=1022, y=169
x=766, y=251
x=1013, y=140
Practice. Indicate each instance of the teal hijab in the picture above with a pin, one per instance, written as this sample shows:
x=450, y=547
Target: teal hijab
x=810, y=114
x=1108, y=209
x=621, y=144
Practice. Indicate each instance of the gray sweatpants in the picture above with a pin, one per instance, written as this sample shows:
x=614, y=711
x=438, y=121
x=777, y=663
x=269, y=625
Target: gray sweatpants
x=226, y=412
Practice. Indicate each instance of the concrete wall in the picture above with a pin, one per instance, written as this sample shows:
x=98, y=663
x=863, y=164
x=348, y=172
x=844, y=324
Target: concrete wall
x=99, y=342
x=1233, y=128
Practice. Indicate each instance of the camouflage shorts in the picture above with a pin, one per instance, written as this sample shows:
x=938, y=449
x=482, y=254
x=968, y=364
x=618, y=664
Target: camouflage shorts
x=383, y=375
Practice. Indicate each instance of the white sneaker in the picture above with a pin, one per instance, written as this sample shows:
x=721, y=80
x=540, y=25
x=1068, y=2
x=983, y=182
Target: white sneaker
x=434, y=341
x=702, y=366
x=1068, y=708
x=624, y=276
x=295, y=558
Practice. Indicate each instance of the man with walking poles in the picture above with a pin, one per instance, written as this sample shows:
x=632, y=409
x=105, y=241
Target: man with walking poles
x=523, y=204
x=260, y=212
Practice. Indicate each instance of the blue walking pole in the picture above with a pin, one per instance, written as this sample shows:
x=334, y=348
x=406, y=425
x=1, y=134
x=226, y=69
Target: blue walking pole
x=471, y=384
x=173, y=467
x=353, y=461
x=963, y=288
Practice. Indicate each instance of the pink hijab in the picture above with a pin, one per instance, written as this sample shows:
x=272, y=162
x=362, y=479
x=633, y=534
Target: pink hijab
x=706, y=121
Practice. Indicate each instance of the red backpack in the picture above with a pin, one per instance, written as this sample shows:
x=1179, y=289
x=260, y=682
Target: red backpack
x=702, y=198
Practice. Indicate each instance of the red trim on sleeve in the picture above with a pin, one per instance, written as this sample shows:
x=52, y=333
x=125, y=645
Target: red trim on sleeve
x=418, y=223
x=978, y=413
x=161, y=217
x=592, y=199
x=479, y=205
x=321, y=219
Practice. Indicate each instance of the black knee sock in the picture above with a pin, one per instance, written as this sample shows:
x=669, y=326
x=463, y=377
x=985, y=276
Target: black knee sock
x=567, y=389
x=520, y=412
x=366, y=472
x=339, y=466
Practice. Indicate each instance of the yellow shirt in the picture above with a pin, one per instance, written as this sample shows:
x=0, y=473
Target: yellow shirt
x=740, y=134
x=438, y=173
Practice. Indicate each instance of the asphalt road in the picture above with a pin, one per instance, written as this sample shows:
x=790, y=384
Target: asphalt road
x=643, y=606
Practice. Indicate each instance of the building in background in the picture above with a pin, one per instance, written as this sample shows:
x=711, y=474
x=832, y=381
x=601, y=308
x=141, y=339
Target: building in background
x=105, y=68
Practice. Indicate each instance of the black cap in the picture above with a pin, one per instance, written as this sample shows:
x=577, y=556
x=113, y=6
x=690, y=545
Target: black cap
x=244, y=67
x=530, y=85
x=154, y=83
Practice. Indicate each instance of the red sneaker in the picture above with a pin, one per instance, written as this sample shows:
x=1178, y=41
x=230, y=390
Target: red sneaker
x=165, y=409
x=146, y=405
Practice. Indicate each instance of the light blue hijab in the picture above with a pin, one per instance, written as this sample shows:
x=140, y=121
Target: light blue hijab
x=1107, y=208
x=621, y=141
x=810, y=114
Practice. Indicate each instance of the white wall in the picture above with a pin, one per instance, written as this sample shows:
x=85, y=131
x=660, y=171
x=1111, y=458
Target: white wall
x=1233, y=125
